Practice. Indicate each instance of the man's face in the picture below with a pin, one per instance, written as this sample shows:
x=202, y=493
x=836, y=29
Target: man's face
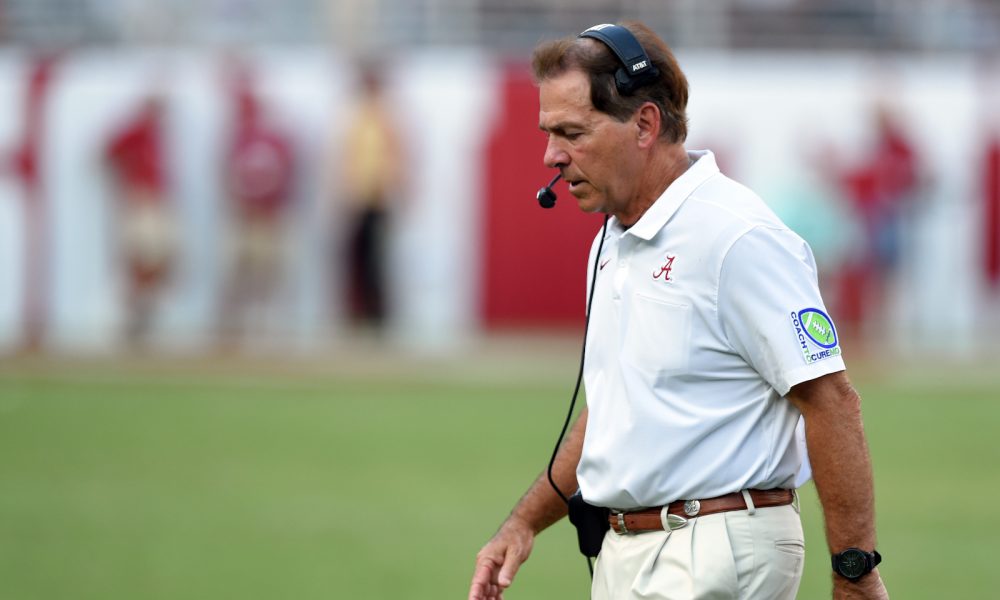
x=593, y=151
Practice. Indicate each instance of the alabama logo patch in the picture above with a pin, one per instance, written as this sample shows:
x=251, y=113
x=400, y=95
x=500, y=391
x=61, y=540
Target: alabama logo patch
x=816, y=334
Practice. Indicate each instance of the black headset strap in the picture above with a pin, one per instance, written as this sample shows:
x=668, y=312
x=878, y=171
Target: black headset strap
x=621, y=41
x=583, y=356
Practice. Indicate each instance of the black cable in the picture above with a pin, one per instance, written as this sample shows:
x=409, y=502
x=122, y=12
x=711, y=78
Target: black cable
x=579, y=375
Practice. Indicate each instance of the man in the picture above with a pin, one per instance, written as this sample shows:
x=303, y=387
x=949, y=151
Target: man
x=259, y=172
x=372, y=175
x=708, y=341
x=136, y=155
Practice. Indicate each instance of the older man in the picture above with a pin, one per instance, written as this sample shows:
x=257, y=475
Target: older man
x=708, y=342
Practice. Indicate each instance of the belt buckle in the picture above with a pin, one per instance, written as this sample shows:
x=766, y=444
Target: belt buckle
x=671, y=521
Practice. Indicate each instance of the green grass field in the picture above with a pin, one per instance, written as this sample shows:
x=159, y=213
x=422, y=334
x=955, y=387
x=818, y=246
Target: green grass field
x=182, y=480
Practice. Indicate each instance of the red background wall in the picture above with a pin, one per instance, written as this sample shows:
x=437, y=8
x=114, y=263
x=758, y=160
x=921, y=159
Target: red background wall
x=534, y=260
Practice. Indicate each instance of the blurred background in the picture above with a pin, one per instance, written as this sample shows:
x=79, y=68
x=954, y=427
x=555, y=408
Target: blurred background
x=264, y=264
x=247, y=174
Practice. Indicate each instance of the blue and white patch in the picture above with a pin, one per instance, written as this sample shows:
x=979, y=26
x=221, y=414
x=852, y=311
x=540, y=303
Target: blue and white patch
x=816, y=334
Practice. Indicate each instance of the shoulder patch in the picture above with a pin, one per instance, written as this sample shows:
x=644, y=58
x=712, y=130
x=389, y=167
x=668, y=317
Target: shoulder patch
x=816, y=334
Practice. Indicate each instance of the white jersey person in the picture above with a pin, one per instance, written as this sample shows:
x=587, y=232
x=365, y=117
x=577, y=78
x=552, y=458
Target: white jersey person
x=708, y=343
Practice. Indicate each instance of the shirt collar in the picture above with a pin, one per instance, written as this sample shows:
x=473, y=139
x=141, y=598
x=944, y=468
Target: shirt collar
x=666, y=205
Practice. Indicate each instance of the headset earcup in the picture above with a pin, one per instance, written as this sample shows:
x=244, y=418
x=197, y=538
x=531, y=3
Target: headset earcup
x=623, y=82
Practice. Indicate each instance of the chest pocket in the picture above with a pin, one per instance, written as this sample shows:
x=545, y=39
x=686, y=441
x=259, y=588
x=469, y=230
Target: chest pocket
x=658, y=338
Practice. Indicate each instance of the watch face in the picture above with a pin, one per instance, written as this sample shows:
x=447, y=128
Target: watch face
x=852, y=563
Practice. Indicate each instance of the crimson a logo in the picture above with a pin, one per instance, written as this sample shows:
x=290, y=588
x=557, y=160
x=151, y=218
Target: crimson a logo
x=664, y=271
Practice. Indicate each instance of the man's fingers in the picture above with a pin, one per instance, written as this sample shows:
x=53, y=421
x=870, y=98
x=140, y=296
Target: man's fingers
x=482, y=581
x=498, y=562
x=489, y=581
x=512, y=562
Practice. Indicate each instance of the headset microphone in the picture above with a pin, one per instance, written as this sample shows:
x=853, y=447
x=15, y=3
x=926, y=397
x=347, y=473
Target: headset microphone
x=545, y=196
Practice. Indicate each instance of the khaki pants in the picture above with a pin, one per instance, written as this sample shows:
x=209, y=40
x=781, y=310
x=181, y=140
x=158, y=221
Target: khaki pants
x=746, y=555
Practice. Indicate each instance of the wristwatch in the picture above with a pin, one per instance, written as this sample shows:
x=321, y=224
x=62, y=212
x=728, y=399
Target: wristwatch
x=854, y=563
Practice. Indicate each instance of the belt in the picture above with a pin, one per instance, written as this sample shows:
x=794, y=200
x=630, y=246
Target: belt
x=676, y=514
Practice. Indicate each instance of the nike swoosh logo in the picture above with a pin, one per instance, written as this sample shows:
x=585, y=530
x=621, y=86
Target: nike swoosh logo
x=603, y=264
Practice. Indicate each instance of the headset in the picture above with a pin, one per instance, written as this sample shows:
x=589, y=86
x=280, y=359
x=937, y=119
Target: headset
x=636, y=70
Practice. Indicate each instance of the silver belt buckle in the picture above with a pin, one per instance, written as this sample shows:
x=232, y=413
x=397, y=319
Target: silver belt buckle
x=671, y=521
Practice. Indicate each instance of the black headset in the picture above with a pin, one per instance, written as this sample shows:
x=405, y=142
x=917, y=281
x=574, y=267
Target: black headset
x=636, y=70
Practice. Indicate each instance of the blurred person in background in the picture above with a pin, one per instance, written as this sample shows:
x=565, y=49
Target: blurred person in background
x=708, y=344
x=991, y=213
x=373, y=172
x=24, y=163
x=988, y=90
x=258, y=177
x=882, y=190
x=986, y=213
x=135, y=155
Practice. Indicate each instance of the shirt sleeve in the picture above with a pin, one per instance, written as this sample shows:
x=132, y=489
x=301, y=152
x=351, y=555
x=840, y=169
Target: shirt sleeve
x=771, y=310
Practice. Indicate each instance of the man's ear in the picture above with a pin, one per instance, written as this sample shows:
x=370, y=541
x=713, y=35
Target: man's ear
x=647, y=123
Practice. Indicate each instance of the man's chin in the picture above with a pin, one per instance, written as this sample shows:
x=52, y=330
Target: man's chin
x=588, y=203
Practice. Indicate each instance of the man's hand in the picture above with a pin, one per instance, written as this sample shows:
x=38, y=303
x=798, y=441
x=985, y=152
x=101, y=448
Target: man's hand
x=499, y=560
x=869, y=587
x=501, y=557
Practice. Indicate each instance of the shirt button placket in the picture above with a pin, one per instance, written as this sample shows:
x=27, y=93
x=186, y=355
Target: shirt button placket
x=621, y=273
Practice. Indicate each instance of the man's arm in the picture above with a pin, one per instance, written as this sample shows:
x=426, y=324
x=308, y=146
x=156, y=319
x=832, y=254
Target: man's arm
x=842, y=471
x=502, y=556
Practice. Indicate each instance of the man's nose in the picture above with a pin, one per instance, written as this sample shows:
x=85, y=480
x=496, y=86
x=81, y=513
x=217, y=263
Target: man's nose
x=555, y=156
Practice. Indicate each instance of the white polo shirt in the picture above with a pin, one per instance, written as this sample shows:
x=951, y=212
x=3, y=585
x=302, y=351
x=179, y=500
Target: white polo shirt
x=706, y=312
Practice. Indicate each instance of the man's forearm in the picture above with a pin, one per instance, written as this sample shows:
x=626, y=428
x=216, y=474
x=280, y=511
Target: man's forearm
x=841, y=465
x=540, y=506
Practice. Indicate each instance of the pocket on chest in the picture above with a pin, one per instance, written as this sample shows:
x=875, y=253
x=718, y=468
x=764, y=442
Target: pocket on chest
x=658, y=336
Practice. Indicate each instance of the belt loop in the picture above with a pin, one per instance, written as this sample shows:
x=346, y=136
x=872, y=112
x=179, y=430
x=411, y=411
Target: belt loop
x=795, y=501
x=751, y=509
x=622, y=529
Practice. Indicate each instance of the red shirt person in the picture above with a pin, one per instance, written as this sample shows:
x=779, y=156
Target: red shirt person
x=880, y=191
x=135, y=155
x=258, y=173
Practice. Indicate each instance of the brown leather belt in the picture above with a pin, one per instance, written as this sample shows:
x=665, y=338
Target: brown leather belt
x=680, y=511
